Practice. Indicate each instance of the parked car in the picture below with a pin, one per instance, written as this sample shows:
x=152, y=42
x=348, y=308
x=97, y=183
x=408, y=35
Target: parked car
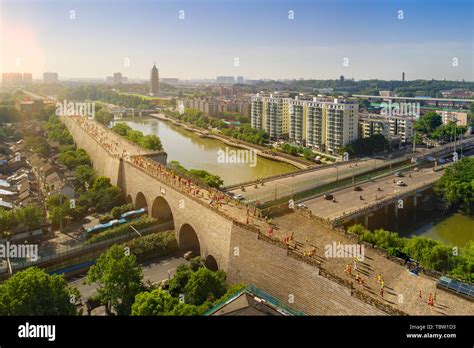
x=328, y=196
x=357, y=188
x=189, y=255
x=401, y=183
x=239, y=197
x=301, y=206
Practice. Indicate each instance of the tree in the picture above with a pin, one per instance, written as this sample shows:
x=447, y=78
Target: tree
x=203, y=285
x=29, y=216
x=456, y=186
x=151, y=142
x=180, y=279
x=38, y=145
x=34, y=292
x=59, y=209
x=119, y=278
x=85, y=174
x=155, y=303
x=103, y=117
x=121, y=128
x=428, y=122
x=7, y=222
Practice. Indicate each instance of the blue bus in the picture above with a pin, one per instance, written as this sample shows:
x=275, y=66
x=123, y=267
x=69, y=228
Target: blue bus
x=133, y=214
x=90, y=231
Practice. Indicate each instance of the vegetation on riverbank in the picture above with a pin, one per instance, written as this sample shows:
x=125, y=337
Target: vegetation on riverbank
x=456, y=186
x=201, y=176
x=242, y=132
x=150, y=141
x=430, y=253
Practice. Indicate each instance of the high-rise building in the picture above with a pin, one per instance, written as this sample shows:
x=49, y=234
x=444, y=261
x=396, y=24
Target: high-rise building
x=117, y=78
x=225, y=79
x=154, y=81
x=322, y=124
x=403, y=76
x=240, y=79
x=27, y=78
x=373, y=124
x=12, y=78
x=402, y=128
x=341, y=80
x=50, y=77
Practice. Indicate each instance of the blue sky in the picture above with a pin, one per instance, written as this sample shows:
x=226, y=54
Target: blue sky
x=40, y=36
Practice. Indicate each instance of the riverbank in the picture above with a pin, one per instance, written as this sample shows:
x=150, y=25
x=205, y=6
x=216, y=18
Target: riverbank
x=260, y=150
x=194, y=151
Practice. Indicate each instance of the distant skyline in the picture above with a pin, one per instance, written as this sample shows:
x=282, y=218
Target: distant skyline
x=255, y=39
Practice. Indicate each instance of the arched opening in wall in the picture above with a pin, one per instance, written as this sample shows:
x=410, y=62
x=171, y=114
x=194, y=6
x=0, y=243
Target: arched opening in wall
x=129, y=199
x=188, y=240
x=161, y=210
x=140, y=201
x=211, y=263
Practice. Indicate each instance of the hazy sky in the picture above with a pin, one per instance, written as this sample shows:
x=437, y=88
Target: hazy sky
x=101, y=36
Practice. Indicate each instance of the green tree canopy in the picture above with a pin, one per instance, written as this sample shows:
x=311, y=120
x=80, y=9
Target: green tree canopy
x=203, y=285
x=119, y=278
x=456, y=186
x=34, y=292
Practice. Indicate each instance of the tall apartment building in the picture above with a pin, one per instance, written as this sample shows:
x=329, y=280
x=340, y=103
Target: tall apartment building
x=27, y=78
x=12, y=78
x=391, y=127
x=323, y=124
x=50, y=77
x=117, y=78
x=402, y=128
x=460, y=117
x=373, y=125
x=271, y=114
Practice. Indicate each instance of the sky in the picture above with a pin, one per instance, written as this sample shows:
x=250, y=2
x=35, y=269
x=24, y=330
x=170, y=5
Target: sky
x=274, y=39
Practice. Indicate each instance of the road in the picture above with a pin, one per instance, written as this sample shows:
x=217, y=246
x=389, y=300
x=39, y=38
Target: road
x=285, y=186
x=348, y=200
x=154, y=272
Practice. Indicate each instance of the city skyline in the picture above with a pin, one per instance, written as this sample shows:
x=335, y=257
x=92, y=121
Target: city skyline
x=300, y=39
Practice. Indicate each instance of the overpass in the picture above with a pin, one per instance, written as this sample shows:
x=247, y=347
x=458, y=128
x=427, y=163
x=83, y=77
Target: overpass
x=290, y=184
x=372, y=196
x=234, y=237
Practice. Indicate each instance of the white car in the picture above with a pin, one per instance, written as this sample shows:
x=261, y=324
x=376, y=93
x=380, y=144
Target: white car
x=239, y=197
x=301, y=206
x=401, y=183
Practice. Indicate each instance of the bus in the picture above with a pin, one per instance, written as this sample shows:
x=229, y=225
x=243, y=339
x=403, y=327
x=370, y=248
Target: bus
x=133, y=214
x=90, y=231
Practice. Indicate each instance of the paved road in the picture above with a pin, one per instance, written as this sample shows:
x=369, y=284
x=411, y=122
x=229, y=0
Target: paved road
x=285, y=186
x=155, y=271
x=348, y=200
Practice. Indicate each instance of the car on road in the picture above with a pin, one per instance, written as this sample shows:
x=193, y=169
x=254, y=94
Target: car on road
x=189, y=255
x=357, y=188
x=239, y=197
x=399, y=174
x=401, y=183
x=328, y=196
x=301, y=206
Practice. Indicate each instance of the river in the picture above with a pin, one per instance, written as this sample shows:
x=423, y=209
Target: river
x=455, y=229
x=202, y=153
